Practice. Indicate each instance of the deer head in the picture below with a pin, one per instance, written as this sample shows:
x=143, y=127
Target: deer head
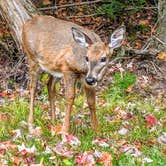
x=97, y=53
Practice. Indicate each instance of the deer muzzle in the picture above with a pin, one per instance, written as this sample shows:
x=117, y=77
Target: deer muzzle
x=91, y=81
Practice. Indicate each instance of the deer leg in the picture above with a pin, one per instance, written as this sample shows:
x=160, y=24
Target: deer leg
x=91, y=100
x=33, y=84
x=69, y=80
x=51, y=96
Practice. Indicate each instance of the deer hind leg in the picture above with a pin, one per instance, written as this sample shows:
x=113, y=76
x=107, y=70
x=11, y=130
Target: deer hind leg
x=33, y=83
x=51, y=96
x=91, y=100
x=69, y=81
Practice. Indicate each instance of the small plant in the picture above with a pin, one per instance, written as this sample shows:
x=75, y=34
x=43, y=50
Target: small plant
x=113, y=8
x=123, y=81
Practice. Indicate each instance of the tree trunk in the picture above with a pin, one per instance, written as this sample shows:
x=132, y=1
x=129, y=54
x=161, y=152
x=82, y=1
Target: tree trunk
x=16, y=13
x=161, y=40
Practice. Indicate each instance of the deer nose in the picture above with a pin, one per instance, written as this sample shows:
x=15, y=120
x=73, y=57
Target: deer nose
x=90, y=80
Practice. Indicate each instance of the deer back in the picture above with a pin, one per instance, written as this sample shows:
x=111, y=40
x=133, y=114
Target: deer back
x=49, y=42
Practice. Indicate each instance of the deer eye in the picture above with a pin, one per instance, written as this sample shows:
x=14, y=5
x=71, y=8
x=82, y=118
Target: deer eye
x=87, y=59
x=103, y=59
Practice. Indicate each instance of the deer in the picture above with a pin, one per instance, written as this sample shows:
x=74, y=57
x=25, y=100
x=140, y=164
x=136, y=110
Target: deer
x=66, y=50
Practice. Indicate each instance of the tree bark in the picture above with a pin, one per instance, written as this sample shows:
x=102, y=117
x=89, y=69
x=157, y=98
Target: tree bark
x=16, y=13
x=161, y=37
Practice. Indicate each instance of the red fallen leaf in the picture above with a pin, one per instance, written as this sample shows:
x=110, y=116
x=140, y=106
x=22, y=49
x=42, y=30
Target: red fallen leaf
x=128, y=115
x=150, y=121
x=23, y=152
x=86, y=159
x=7, y=94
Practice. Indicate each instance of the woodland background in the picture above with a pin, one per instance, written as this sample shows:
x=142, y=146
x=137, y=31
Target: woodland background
x=131, y=98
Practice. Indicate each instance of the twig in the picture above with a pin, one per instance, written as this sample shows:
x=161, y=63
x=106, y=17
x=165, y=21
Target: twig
x=133, y=8
x=69, y=5
x=142, y=52
x=162, y=42
x=82, y=16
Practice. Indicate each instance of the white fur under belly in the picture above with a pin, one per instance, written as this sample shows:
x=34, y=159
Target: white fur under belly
x=53, y=73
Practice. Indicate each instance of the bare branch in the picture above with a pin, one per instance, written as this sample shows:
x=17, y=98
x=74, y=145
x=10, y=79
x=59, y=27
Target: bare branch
x=146, y=8
x=142, y=52
x=69, y=5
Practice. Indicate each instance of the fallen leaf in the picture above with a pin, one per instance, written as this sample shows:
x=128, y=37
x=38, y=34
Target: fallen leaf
x=130, y=88
x=147, y=160
x=130, y=149
x=36, y=131
x=17, y=134
x=16, y=160
x=56, y=130
x=86, y=159
x=128, y=115
x=47, y=2
x=143, y=22
x=123, y=131
x=104, y=158
x=4, y=116
x=162, y=139
x=7, y=145
x=63, y=151
x=47, y=150
x=161, y=56
x=71, y=140
x=24, y=150
x=101, y=142
x=150, y=121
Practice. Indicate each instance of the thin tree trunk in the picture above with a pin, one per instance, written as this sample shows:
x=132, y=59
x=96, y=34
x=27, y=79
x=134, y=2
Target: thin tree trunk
x=16, y=12
x=161, y=38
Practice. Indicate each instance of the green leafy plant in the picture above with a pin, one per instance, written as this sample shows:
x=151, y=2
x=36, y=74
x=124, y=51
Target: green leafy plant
x=123, y=81
x=113, y=8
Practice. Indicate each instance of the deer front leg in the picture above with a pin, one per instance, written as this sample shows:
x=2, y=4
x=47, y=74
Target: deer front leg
x=33, y=84
x=91, y=100
x=51, y=96
x=69, y=80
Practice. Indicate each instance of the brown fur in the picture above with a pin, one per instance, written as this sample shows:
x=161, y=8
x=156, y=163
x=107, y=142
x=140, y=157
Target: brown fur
x=49, y=45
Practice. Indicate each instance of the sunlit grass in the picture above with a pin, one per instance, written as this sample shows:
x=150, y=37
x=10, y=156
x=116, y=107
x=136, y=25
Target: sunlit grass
x=107, y=102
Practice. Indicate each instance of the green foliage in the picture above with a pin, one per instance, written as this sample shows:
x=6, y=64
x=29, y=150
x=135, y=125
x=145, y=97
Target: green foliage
x=123, y=81
x=110, y=122
x=113, y=8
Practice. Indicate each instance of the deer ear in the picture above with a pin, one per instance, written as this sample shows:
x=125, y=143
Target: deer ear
x=117, y=37
x=81, y=38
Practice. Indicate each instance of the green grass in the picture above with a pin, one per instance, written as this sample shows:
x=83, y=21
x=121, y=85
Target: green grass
x=107, y=103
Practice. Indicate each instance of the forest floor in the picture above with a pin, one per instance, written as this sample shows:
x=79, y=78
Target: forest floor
x=131, y=103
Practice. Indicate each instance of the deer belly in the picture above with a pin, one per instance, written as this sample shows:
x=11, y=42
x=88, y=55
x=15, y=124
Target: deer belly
x=53, y=73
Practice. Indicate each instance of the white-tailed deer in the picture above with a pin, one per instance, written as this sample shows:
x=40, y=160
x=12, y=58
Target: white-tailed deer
x=62, y=48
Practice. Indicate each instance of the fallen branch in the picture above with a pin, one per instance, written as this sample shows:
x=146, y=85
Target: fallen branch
x=152, y=52
x=83, y=16
x=69, y=5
